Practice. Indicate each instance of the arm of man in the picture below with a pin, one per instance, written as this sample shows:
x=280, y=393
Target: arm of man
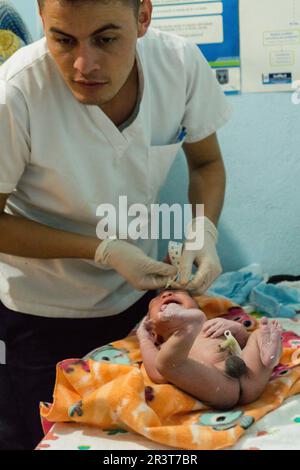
x=29, y=239
x=206, y=111
x=206, y=186
x=207, y=177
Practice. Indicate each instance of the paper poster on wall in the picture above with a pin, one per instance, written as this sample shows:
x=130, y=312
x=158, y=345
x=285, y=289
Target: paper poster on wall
x=213, y=26
x=270, y=44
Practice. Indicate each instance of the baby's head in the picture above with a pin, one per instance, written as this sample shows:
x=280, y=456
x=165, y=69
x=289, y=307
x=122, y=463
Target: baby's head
x=165, y=297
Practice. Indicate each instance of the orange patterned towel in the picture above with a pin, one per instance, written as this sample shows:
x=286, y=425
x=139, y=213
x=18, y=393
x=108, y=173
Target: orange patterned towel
x=111, y=390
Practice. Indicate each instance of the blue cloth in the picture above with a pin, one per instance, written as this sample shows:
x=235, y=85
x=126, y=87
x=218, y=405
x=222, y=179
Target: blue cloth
x=12, y=21
x=235, y=286
x=245, y=286
x=276, y=301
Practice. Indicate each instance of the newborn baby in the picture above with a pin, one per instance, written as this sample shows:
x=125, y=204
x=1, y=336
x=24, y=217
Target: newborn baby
x=179, y=345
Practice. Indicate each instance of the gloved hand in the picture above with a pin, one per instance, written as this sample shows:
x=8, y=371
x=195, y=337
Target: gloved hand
x=206, y=259
x=141, y=271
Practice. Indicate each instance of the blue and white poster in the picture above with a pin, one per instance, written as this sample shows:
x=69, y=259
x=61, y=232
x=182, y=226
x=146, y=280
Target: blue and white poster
x=213, y=26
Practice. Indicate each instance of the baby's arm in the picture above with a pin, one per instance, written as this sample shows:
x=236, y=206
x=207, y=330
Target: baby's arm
x=149, y=351
x=217, y=327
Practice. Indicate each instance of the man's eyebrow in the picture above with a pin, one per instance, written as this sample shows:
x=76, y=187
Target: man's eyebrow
x=99, y=30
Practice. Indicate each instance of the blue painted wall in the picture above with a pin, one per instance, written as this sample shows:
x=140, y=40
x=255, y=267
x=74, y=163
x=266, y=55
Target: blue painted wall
x=261, y=148
x=28, y=10
x=261, y=217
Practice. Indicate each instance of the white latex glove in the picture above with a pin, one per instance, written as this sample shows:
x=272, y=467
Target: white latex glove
x=206, y=259
x=141, y=271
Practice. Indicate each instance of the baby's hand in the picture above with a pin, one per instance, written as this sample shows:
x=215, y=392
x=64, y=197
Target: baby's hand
x=217, y=327
x=145, y=330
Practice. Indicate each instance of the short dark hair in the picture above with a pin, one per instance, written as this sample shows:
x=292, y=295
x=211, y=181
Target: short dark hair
x=134, y=3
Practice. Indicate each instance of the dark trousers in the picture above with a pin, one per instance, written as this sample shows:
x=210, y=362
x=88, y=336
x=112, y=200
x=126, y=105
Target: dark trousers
x=34, y=345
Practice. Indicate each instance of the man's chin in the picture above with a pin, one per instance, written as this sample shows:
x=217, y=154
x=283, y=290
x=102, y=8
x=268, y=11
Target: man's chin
x=89, y=98
x=92, y=101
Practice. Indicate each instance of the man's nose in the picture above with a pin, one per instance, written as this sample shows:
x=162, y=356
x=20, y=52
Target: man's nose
x=86, y=60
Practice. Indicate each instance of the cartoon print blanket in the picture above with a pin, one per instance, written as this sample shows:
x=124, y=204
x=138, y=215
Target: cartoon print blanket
x=110, y=389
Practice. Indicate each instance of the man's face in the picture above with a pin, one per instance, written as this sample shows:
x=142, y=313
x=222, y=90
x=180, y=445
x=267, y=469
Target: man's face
x=94, y=45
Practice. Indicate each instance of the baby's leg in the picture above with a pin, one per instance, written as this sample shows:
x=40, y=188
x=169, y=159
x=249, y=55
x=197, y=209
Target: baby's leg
x=175, y=317
x=261, y=355
x=203, y=381
x=183, y=327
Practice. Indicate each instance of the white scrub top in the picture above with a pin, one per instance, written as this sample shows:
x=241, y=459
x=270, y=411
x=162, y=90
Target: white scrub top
x=60, y=159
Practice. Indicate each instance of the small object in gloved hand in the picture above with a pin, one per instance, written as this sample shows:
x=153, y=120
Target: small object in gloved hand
x=175, y=251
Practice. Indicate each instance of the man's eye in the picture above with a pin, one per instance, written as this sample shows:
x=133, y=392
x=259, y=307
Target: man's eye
x=65, y=41
x=104, y=41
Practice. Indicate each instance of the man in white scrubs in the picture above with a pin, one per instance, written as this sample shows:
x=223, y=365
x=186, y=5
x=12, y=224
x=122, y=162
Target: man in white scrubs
x=96, y=110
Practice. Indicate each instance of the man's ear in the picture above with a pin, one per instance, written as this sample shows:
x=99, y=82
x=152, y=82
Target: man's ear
x=144, y=17
x=41, y=15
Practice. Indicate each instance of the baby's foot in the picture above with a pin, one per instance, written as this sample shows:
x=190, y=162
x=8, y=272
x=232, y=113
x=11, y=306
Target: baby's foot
x=270, y=345
x=178, y=317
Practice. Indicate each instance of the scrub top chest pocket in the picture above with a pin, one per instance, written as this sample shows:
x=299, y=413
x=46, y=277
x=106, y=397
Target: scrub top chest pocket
x=161, y=158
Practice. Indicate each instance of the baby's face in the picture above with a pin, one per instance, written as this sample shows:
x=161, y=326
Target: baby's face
x=180, y=297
